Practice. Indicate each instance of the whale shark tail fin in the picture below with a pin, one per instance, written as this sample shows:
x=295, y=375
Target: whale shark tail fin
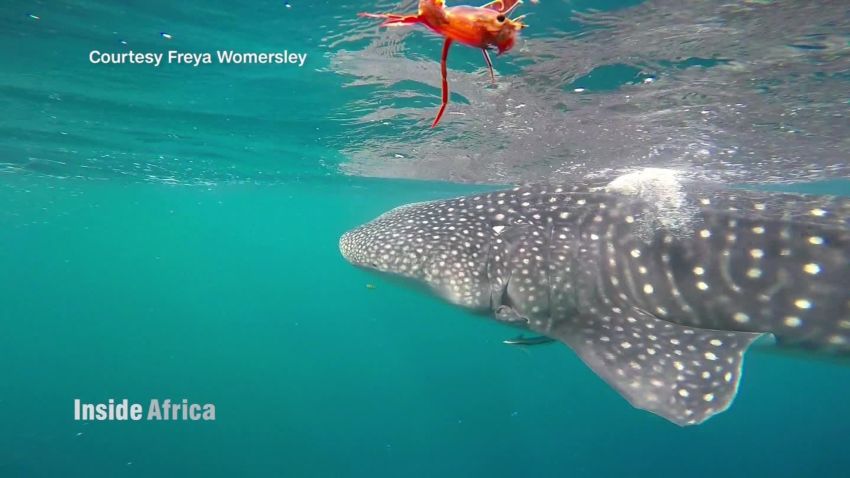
x=681, y=373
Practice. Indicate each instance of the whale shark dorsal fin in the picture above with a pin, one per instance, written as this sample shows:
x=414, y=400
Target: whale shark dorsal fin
x=683, y=374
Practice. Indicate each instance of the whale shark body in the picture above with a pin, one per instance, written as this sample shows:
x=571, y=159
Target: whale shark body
x=658, y=286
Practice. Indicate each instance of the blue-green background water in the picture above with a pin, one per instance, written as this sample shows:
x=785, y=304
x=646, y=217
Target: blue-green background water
x=173, y=234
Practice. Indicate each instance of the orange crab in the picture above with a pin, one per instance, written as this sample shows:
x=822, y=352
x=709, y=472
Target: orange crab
x=484, y=27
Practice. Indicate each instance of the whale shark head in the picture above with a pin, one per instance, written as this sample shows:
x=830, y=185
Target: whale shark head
x=495, y=251
x=442, y=244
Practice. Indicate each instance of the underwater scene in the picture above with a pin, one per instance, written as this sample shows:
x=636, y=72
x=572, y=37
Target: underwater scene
x=313, y=238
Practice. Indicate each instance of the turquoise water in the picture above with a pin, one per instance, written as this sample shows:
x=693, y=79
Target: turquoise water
x=172, y=233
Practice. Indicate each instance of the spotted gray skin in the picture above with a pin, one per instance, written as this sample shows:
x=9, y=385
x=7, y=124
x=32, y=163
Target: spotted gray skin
x=663, y=310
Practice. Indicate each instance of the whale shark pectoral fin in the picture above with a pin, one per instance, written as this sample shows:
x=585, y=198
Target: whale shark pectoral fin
x=683, y=374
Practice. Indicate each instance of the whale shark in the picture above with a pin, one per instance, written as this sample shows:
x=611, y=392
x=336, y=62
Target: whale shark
x=657, y=284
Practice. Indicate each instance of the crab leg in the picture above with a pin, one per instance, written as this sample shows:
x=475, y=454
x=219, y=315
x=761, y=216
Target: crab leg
x=502, y=6
x=492, y=5
x=489, y=64
x=512, y=7
x=392, y=19
x=444, y=73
